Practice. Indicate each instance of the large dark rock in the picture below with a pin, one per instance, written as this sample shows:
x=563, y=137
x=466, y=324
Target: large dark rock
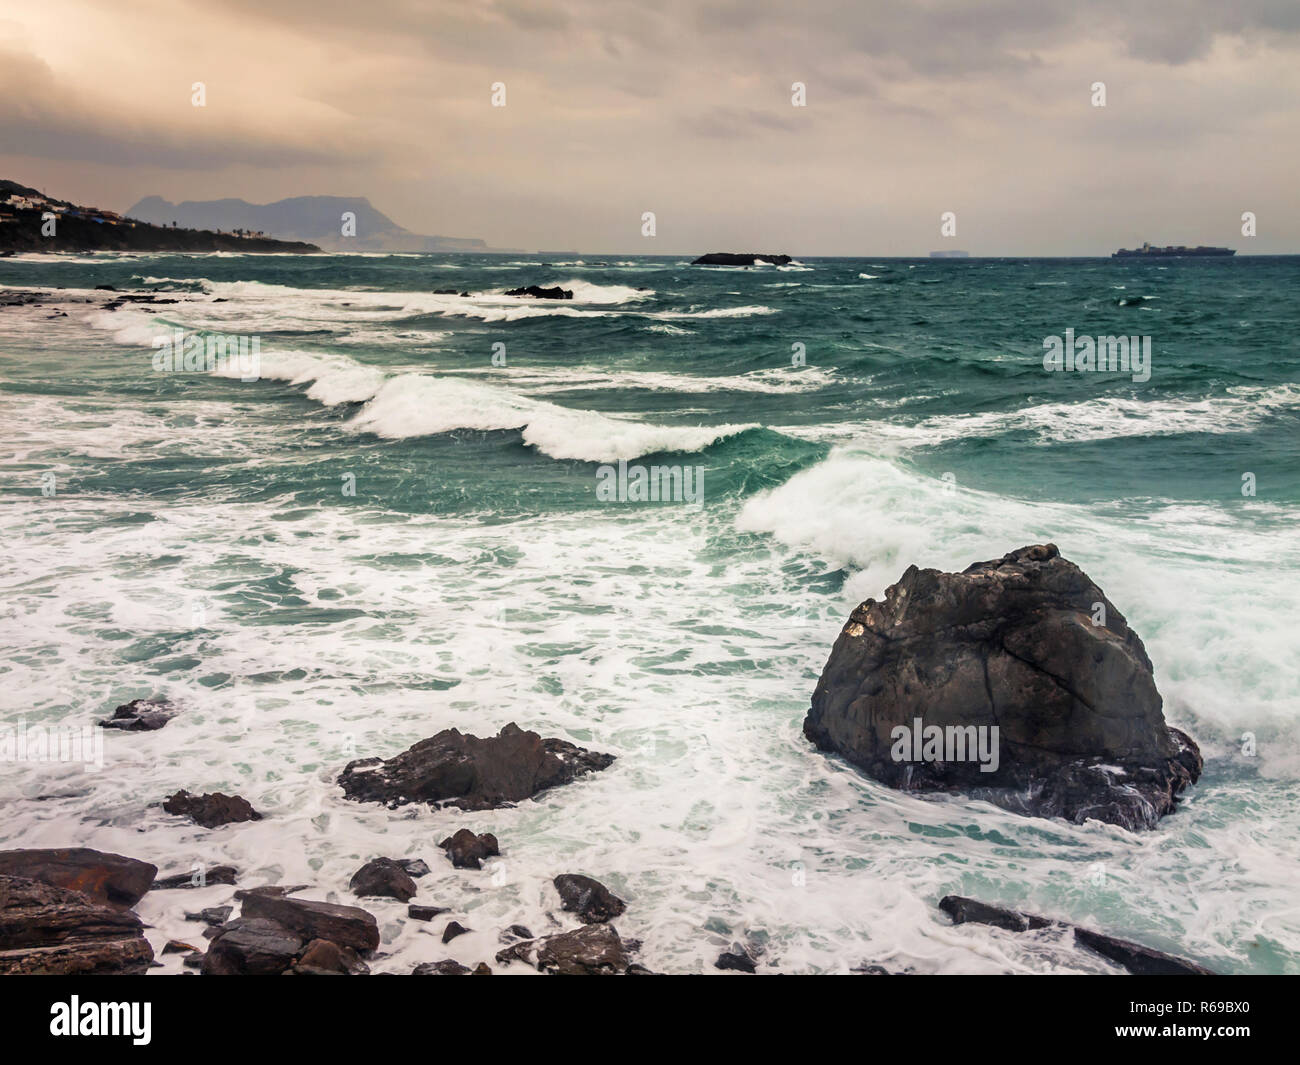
x=472, y=773
x=591, y=900
x=348, y=926
x=51, y=930
x=383, y=877
x=534, y=292
x=1137, y=959
x=106, y=877
x=731, y=258
x=141, y=715
x=252, y=946
x=467, y=850
x=1024, y=662
x=594, y=950
x=212, y=810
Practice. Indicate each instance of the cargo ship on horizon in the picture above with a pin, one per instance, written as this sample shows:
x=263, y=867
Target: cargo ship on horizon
x=1171, y=250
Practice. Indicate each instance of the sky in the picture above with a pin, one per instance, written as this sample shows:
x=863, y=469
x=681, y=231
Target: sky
x=615, y=108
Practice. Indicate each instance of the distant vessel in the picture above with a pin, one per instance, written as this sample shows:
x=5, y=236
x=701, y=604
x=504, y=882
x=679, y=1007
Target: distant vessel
x=1171, y=250
x=949, y=255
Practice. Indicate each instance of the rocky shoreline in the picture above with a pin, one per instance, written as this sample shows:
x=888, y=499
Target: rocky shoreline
x=1025, y=647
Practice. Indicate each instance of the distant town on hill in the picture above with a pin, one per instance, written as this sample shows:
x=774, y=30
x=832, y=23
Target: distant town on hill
x=31, y=221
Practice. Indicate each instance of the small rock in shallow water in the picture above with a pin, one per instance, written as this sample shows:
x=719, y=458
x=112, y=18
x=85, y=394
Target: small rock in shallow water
x=141, y=715
x=588, y=898
x=213, y=810
x=425, y=913
x=467, y=850
x=737, y=959
x=383, y=877
x=593, y=950
x=474, y=774
x=453, y=929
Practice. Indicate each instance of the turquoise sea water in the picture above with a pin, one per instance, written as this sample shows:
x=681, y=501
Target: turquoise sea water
x=388, y=533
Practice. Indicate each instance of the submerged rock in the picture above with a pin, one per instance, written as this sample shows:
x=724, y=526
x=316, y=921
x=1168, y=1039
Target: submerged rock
x=1137, y=959
x=594, y=950
x=1015, y=681
x=591, y=900
x=383, y=877
x=46, y=929
x=533, y=292
x=213, y=810
x=475, y=774
x=467, y=851
x=104, y=877
x=141, y=715
x=731, y=258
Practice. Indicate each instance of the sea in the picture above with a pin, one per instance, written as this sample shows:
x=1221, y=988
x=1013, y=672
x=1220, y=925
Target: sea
x=397, y=525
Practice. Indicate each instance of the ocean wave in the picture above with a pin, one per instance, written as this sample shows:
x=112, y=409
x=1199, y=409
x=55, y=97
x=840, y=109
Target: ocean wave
x=1191, y=580
x=417, y=405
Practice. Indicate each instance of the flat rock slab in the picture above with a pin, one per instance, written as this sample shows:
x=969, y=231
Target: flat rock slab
x=1015, y=681
x=348, y=926
x=212, y=810
x=474, y=774
x=51, y=930
x=106, y=877
x=1137, y=959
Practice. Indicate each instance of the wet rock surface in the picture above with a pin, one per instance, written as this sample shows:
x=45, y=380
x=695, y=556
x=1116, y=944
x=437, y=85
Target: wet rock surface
x=46, y=929
x=594, y=950
x=474, y=774
x=589, y=899
x=212, y=810
x=467, y=850
x=383, y=877
x=1026, y=644
x=110, y=878
x=141, y=715
x=1137, y=959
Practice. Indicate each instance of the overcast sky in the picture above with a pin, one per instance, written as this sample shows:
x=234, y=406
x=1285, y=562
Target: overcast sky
x=617, y=107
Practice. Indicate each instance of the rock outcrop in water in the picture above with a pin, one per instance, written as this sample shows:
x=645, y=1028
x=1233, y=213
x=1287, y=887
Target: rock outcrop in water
x=472, y=773
x=141, y=715
x=731, y=258
x=536, y=293
x=212, y=810
x=1137, y=959
x=1016, y=681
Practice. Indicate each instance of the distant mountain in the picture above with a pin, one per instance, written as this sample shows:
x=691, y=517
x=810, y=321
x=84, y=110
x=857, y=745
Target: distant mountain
x=30, y=221
x=318, y=219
